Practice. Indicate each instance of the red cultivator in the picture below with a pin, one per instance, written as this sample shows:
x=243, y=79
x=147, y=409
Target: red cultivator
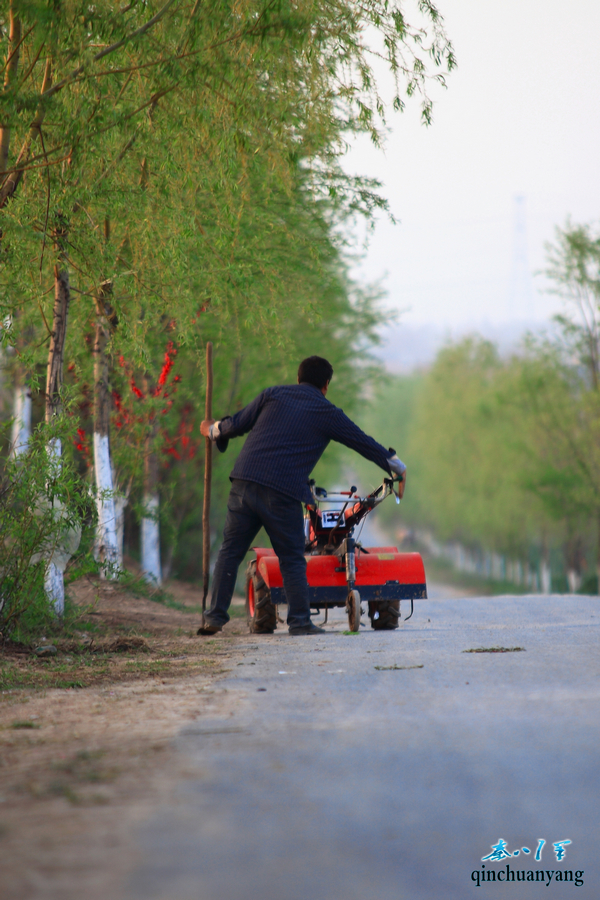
x=340, y=571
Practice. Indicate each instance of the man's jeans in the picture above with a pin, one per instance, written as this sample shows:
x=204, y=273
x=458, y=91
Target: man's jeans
x=249, y=507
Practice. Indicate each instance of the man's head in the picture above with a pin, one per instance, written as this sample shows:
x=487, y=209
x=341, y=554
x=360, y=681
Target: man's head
x=316, y=371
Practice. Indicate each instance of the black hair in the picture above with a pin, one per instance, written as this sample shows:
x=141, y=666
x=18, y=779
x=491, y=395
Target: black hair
x=316, y=371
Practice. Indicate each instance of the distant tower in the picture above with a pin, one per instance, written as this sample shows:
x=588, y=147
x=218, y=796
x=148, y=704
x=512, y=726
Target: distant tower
x=521, y=298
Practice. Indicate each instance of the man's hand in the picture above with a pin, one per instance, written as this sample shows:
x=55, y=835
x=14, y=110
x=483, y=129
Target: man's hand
x=398, y=470
x=401, y=484
x=205, y=427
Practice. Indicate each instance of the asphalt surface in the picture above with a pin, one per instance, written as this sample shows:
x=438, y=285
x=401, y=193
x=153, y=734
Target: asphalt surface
x=338, y=778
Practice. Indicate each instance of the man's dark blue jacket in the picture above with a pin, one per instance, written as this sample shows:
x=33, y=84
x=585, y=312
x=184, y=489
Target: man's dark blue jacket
x=290, y=426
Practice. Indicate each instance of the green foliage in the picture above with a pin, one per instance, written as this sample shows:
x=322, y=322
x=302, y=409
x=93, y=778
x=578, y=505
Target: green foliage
x=574, y=266
x=504, y=454
x=387, y=412
x=486, y=444
x=467, y=444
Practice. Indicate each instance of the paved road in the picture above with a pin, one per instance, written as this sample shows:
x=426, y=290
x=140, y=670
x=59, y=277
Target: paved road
x=337, y=780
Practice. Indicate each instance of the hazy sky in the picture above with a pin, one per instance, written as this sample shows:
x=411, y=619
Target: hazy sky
x=520, y=117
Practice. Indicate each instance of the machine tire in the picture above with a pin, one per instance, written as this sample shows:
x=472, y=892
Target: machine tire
x=261, y=613
x=354, y=611
x=389, y=614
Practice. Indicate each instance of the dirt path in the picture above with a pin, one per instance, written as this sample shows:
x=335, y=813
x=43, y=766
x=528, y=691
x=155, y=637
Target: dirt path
x=80, y=768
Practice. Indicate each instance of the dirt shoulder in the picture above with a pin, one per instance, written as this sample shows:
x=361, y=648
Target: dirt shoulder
x=85, y=734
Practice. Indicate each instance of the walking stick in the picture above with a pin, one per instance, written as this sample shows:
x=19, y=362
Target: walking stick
x=207, y=480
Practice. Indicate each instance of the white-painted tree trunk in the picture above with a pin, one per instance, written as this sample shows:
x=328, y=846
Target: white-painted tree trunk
x=151, y=540
x=54, y=582
x=106, y=539
x=574, y=580
x=21, y=428
x=546, y=574
x=106, y=547
x=54, y=585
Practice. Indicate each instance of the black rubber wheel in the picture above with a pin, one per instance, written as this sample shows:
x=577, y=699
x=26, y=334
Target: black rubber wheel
x=389, y=614
x=261, y=613
x=353, y=609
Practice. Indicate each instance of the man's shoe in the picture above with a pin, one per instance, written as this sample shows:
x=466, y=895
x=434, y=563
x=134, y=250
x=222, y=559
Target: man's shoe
x=207, y=629
x=307, y=629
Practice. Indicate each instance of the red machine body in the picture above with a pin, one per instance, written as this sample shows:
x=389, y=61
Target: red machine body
x=382, y=573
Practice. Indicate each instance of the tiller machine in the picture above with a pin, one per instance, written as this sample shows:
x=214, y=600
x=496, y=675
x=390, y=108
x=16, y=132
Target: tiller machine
x=340, y=571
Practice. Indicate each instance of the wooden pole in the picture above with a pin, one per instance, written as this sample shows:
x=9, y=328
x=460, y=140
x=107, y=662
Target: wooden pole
x=207, y=480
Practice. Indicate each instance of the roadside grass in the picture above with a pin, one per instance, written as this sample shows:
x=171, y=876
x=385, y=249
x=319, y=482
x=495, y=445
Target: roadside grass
x=237, y=611
x=70, y=672
x=92, y=651
x=139, y=587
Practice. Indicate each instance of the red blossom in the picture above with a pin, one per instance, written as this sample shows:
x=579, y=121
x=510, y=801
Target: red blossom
x=181, y=445
x=82, y=444
x=198, y=314
x=135, y=389
x=170, y=354
x=125, y=416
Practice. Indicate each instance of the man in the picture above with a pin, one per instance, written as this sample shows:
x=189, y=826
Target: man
x=289, y=426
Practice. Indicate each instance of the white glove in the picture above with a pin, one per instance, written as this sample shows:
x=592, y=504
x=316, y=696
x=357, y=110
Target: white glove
x=215, y=431
x=396, y=465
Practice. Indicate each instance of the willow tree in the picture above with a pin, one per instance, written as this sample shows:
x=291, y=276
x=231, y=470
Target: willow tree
x=560, y=386
x=100, y=107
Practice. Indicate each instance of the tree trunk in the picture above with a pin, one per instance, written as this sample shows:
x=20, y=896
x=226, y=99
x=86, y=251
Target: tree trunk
x=151, y=567
x=54, y=586
x=546, y=576
x=121, y=501
x=21, y=428
x=207, y=481
x=150, y=532
x=11, y=181
x=106, y=538
x=545, y=568
x=12, y=65
x=54, y=583
x=54, y=378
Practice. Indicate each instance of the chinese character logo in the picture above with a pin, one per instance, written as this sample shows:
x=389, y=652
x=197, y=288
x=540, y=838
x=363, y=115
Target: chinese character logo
x=500, y=851
x=559, y=849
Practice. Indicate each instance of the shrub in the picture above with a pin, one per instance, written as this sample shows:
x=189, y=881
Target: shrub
x=44, y=505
